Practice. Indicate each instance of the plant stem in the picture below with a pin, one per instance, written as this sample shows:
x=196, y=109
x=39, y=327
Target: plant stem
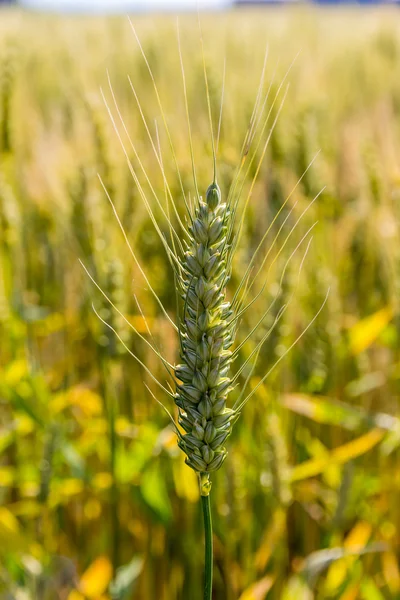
x=208, y=563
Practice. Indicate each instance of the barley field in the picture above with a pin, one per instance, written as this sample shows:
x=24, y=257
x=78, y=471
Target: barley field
x=96, y=502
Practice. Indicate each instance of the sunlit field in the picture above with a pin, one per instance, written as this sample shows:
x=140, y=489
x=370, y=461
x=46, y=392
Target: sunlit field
x=96, y=502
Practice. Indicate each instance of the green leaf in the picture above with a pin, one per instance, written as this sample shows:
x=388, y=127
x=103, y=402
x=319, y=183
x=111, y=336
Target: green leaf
x=154, y=492
x=370, y=591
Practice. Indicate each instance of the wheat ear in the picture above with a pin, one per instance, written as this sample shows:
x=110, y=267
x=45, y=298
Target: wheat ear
x=207, y=336
x=200, y=252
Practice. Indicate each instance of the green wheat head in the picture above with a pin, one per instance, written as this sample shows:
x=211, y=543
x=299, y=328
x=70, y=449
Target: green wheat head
x=207, y=333
x=200, y=249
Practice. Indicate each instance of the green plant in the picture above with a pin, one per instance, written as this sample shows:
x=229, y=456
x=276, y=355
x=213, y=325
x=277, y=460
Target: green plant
x=201, y=248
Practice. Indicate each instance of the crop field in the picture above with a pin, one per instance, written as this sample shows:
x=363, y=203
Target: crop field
x=96, y=502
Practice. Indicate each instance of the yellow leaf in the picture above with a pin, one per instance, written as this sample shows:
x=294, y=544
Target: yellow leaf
x=24, y=425
x=358, y=537
x=391, y=572
x=186, y=482
x=6, y=438
x=335, y=576
x=95, y=580
x=7, y=521
x=355, y=542
x=352, y=592
x=58, y=403
x=15, y=372
x=29, y=489
x=365, y=332
x=12, y=538
x=88, y=401
x=7, y=476
x=258, y=590
x=340, y=455
x=71, y=487
x=102, y=481
x=358, y=447
x=75, y=595
x=27, y=508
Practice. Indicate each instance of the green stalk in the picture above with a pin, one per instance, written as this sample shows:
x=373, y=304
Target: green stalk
x=208, y=533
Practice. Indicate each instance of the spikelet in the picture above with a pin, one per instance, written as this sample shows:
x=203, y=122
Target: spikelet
x=206, y=337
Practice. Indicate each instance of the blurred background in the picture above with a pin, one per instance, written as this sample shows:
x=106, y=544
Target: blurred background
x=145, y=6
x=96, y=502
